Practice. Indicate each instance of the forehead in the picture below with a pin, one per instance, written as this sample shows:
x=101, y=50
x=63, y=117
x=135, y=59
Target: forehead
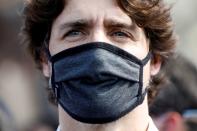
x=93, y=9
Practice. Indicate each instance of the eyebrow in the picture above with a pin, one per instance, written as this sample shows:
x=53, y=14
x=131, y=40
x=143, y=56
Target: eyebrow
x=116, y=23
x=110, y=23
x=75, y=23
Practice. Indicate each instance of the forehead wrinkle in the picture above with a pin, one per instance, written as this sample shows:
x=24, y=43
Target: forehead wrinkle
x=69, y=15
x=120, y=23
x=116, y=23
x=76, y=23
x=81, y=10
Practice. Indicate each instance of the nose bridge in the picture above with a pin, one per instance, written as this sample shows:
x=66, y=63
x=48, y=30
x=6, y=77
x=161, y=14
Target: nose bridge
x=99, y=32
x=99, y=35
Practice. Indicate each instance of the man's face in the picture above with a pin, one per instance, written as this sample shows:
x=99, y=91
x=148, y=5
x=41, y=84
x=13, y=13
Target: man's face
x=84, y=21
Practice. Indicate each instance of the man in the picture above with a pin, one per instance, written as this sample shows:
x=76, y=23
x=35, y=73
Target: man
x=99, y=57
x=175, y=107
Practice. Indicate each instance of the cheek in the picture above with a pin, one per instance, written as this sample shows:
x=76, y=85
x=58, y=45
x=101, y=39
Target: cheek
x=146, y=75
x=56, y=47
x=137, y=49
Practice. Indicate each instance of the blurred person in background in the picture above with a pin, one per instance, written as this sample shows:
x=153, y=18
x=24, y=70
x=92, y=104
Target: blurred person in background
x=99, y=57
x=175, y=107
x=22, y=97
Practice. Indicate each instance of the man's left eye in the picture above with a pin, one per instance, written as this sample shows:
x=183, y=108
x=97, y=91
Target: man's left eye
x=120, y=34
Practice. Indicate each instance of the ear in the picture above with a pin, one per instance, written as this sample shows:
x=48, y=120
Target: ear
x=46, y=69
x=155, y=65
x=45, y=65
x=173, y=122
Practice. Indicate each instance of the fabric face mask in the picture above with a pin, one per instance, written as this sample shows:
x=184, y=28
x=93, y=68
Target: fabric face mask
x=97, y=82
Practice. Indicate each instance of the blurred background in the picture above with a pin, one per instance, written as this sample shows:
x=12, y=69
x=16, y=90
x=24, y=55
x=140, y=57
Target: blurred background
x=23, y=96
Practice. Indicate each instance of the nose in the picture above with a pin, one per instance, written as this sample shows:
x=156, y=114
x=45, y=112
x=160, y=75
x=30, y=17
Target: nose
x=99, y=35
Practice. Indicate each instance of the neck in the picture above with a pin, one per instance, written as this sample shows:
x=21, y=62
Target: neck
x=136, y=120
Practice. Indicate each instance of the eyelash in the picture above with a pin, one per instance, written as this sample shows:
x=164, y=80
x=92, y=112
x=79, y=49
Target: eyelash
x=118, y=33
x=124, y=33
x=69, y=33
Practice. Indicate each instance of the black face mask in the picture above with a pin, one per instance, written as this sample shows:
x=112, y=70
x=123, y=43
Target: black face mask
x=97, y=82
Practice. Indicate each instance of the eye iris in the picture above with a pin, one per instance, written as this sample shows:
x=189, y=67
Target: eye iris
x=119, y=34
x=75, y=33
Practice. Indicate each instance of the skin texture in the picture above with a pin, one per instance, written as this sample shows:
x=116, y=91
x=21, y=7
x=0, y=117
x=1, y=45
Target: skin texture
x=101, y=21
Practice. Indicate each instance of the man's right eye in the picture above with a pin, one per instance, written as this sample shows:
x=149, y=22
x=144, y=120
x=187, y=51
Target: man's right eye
x=73, y=33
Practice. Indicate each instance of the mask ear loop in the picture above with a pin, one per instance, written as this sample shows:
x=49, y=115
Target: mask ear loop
x=141, y=93
x=51, y=79
x=147, y=58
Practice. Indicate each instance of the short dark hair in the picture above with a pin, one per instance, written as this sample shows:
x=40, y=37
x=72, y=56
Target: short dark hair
x=151, y=15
